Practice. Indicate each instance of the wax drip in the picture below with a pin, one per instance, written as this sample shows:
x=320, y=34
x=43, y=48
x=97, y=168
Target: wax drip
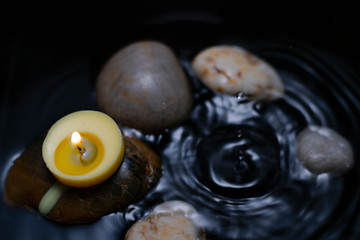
x=51, y=197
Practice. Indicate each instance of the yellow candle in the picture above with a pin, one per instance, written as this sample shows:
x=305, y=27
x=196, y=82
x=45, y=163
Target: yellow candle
x=83, y=148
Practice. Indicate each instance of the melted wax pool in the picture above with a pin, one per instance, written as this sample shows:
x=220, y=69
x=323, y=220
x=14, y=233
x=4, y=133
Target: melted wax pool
x=235, y=160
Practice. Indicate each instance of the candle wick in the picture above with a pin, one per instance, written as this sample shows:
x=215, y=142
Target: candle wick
x=80, y=149
x=86, y=157
x=88, y=154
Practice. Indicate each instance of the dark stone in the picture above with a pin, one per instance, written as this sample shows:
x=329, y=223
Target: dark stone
x=29, y=179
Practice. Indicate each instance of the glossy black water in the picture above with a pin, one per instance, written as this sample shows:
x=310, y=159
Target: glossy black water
x=238, y=161
x=234, y=160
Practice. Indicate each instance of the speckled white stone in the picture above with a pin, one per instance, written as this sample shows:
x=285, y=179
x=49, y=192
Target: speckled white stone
x=175, y=220
x=322, y=150
x=232, y=69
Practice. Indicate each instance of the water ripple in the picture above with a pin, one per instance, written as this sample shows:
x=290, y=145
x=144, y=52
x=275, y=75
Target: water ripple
x=270, y=194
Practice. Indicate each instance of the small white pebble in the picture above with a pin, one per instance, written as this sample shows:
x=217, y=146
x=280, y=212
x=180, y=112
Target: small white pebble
x=322, y=150
x=175, y=220
x=232, y=69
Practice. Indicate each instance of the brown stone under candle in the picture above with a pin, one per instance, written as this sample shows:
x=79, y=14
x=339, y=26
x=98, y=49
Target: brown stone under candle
x=29, y=179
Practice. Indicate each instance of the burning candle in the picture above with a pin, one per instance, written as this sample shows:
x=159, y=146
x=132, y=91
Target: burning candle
x=83, y=148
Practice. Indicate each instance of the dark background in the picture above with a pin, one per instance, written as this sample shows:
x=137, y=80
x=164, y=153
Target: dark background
x=96, y=29
x=331, y=26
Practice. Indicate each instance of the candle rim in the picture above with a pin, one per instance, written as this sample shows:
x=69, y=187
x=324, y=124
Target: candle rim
x=74, y=122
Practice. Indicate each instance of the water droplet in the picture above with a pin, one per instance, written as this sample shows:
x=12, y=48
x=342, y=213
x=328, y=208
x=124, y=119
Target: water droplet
x=242, y=98
x=240, y=165
x=237, y=161
x=259, y=107
x=239, y=133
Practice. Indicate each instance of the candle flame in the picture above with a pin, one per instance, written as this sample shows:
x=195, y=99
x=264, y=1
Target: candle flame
x=76, y=138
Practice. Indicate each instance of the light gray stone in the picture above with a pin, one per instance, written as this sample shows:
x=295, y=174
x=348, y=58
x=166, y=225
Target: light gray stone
x=322, y=150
